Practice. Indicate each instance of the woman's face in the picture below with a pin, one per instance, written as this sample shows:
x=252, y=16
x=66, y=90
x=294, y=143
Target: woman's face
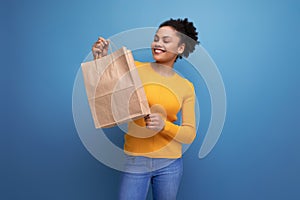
x=166, y=45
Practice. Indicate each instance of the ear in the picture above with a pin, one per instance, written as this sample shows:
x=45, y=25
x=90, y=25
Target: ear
x=181, y=48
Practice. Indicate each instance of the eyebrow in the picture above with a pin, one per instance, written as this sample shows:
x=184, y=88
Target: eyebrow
x=164, y=37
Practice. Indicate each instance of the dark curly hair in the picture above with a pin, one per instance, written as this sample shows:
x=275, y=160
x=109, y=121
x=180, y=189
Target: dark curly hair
x=188, y=35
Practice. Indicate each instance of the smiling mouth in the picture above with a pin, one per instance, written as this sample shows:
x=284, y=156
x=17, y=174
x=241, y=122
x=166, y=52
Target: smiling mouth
x=159, y=50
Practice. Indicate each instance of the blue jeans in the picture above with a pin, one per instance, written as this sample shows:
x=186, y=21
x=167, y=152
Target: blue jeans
x=164, y=175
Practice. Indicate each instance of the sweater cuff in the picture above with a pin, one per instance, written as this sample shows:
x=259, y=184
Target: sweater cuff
x=170, y=129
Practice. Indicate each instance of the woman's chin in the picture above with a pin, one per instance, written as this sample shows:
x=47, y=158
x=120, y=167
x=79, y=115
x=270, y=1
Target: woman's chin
x=163, y=57
x=159, y=61
x=159, y=58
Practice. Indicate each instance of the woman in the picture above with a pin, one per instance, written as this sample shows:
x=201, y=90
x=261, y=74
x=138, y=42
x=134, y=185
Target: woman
x=153, y=145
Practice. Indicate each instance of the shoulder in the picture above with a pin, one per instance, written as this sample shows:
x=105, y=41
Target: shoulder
x=190, y=88
x=188, y=85
x=138, y=63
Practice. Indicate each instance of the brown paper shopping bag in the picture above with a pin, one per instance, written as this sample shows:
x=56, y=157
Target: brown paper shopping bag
x=114, y=89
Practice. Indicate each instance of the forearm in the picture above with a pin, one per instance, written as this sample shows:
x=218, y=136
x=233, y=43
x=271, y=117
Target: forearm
x=185, y=133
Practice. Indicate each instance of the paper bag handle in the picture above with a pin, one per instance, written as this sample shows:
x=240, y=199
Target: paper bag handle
x=111, y=43
x=111, y=51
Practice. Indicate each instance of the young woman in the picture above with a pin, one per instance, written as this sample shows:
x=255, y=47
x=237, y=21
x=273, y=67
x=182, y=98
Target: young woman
x=153, y=145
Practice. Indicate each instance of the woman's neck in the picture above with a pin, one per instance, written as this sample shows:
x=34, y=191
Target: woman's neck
x=169, y=63
x=163, y=69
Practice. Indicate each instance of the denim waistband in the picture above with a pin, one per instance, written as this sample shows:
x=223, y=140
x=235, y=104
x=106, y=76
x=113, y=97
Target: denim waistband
x=141, y=164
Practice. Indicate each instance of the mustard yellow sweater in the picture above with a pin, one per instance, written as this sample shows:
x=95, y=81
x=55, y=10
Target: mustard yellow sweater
x=167, y=96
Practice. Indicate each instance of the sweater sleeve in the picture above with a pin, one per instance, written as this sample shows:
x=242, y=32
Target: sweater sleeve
x=186, y=132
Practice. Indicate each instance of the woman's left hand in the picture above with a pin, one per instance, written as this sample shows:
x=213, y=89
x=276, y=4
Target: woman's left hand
x=154, y=122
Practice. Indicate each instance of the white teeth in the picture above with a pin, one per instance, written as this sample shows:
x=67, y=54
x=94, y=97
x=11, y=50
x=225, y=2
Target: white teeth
x=158, y=51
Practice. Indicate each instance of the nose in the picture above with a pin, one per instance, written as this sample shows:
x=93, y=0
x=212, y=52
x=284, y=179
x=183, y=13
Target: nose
x=157, y=43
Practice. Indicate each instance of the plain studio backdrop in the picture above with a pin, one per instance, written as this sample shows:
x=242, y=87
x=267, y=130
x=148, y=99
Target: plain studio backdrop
x=255, y=45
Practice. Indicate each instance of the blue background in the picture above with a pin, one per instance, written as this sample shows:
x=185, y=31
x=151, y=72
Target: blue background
x=255, y=45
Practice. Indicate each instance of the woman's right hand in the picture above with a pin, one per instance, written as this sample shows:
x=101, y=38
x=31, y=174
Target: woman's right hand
x=100, y=48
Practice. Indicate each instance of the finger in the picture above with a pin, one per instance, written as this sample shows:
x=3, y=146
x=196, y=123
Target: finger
x=152, y=123
x=154, y=114
x=100, y=39
x=152, y=128
x=148, y=120
x=96, y=50
x=154, y=117
x=147, y=117
x=96, y=53
x=103, y=40
x=97, y=46
x=100, y=44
